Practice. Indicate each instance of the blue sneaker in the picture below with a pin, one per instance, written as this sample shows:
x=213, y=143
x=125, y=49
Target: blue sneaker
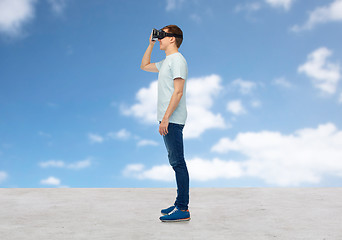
x=166, y=211
x=176, y=215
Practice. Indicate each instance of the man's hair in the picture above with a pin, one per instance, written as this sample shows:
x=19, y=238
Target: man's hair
x=175, y=30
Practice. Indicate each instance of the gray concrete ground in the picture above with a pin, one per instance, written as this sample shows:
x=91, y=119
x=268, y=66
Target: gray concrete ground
x=133, y=213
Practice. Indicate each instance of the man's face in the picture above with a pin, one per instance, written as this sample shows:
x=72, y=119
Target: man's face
x=165, y=42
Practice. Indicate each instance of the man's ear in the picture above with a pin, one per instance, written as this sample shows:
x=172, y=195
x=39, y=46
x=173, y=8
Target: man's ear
x=172, y=39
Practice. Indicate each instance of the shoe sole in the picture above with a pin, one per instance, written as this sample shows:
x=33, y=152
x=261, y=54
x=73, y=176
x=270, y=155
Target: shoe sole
x=177, y=220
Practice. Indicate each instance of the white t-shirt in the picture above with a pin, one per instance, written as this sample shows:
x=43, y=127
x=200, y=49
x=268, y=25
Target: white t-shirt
x=173, y=66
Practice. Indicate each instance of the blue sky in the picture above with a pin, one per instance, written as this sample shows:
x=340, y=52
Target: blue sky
x=264, y=93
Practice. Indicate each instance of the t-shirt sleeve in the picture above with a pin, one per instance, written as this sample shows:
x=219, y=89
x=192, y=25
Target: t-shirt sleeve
x=159, y=64
x=178, y=69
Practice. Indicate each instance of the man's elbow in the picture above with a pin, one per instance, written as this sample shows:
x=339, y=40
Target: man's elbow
x=179, y=93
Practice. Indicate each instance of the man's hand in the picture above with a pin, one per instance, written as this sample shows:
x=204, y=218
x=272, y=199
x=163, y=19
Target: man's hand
x=163, y=126
x=152, y=42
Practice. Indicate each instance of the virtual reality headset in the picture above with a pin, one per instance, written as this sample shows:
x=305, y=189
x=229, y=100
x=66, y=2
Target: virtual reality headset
x=160, y=34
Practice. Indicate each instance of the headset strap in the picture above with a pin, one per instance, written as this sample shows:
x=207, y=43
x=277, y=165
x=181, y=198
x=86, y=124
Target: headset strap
x=174, y=35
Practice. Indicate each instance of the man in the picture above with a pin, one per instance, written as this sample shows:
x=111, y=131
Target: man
x=172, y=113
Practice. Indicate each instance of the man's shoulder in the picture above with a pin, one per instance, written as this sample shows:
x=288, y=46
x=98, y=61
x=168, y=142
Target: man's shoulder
x=178, y=57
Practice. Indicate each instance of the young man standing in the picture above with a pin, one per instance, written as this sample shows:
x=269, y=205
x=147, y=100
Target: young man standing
x=172, y=113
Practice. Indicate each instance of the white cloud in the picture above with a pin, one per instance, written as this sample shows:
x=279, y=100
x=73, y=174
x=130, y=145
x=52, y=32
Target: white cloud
x=199, y=97
x=161, y=173
x=94, y=138
x=325, y=75
x=204, y=170
x=256, y=103
x=199, y=170
x=123, y=134
x=52, y=163
x=223, y=146
x=50, y=181
x=256, y=6
x=132, y=169
x=146, y=142
x=304, y=157
x=61, y=164
x=57, y=6
x=173, y=4
x=286, y=160
x=14, y=14
x=286, y=4
x=236, y=107
x=146, y=108
x=249, y=7
x=331, y=13
x=282, y=82
x=80, y=164
x=3, y=176
x=245, y=87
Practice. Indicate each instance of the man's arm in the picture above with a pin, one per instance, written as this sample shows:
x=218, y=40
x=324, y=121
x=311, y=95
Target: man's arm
x=175, y=99
x=146, y=60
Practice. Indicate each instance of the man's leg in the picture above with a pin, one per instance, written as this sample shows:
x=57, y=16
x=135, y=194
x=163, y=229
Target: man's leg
x=174, y=145
x=182, y=178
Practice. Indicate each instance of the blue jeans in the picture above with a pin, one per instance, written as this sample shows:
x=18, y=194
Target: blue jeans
x=174, y=145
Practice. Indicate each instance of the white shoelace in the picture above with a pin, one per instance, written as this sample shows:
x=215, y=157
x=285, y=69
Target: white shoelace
x=174, y=210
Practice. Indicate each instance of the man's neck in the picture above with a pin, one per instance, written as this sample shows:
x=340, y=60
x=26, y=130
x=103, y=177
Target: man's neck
x=171, y=51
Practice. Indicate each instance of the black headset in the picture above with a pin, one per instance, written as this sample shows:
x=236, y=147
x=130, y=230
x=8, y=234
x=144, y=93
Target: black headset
x=160, y=34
